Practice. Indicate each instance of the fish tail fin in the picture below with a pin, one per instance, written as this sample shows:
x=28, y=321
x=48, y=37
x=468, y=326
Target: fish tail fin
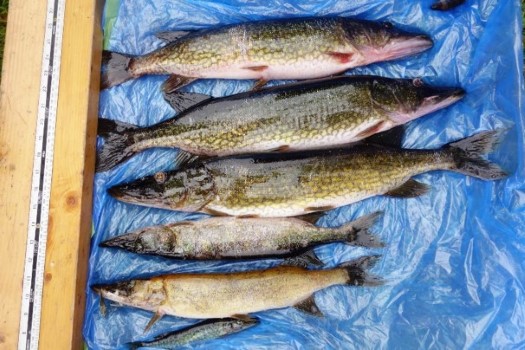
x=134, y=345
x=117, y=139
x=357, y=271
x=468, y=153
x=115, y=69
x=358, y=231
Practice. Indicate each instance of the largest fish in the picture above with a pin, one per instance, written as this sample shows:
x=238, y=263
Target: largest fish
x=300, y=116
x=297, y=184
x=299, y=48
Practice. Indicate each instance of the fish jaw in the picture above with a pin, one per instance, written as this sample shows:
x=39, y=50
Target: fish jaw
x=144, y=294
x=396, y=48
x=436, y=100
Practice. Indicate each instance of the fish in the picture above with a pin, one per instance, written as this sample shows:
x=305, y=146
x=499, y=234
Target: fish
x=282, y=185
x=236, y=294
x=299, y=116
x=297, y=48
x=202, y=331
x=242, y=238
x=443, y=5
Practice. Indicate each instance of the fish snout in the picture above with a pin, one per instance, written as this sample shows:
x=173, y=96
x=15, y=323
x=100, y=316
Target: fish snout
x=407, y=45
x=127, y=242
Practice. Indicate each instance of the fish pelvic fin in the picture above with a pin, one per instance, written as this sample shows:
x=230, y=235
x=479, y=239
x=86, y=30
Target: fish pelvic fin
x=357, y=271
x=468, y=152
x=304, y=260
x=115, y=69
x=117, y=139
x=358, y=231
x=157, y=316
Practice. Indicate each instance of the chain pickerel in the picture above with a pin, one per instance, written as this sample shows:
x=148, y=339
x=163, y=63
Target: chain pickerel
x=219, y=295
x=299, y=48
x=299, y=116
x=242, y=238
x=278, y=185
x=202, y=331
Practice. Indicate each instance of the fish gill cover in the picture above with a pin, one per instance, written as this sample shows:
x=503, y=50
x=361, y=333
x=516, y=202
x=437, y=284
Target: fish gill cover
x=454, y=260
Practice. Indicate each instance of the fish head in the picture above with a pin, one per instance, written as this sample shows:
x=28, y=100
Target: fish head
x=382, y=42
x=406, y=100
x=148, y=240
x=188, y=190
x=144, y=294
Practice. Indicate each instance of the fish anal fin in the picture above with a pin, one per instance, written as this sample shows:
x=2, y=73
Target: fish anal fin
x=259, y=84
x=157, y=316
x=311, y=218
x=175, y=82
x=181, y=101
x=409, y=189
x=341, y=57
x=248, y=216
x=320, y=208
x=309, y=306
x=372, y=130
x=173, y=35
x=257, y=68
x=304, y=260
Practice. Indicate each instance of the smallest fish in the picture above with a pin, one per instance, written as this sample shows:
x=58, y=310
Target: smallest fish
x=203, y=331
x=444, y=5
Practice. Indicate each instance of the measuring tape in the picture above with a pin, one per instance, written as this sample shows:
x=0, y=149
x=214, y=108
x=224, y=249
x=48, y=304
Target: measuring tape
x=33, y=282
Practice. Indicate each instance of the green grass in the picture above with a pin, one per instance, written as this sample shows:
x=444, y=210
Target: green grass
x=3, y=22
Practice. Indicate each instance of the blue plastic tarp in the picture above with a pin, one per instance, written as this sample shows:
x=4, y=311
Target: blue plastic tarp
x=454, y=260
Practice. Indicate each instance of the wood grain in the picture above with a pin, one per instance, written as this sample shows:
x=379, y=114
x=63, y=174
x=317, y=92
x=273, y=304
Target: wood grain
x=18, y=107
x=70, y=207
x=73, y=170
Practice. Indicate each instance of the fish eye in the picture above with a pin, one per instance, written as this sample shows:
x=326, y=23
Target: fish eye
x=387, y=25
x=160, y=177
x=418, y=82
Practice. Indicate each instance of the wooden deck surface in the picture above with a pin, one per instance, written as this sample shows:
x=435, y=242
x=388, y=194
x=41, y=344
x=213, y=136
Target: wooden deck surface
x=73, y=168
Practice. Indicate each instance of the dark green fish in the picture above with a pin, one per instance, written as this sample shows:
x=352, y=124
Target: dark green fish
x=300, y=116
x=242, y=238
x=206, y=330
x=279, y=185
x=299, y=48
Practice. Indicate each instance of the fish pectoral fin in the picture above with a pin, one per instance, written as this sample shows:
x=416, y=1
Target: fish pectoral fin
x=374, y=129
x=175, y=82
x=257, y=68
x=157, y=316
x=341, y=57
x=259, y=84
x=103, y=307
x=213, y=212
x=172, y=36
x=244, y=318
x=304, y=260
x=409, y=189
x=311, y=218
x=181, y=101
x=390, y=138
x=184, y=158
x=321, y=208
x=309, y=306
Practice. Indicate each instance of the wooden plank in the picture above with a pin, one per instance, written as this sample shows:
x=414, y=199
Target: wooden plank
x=70, y=207
x=19, y=93
x=73, y=170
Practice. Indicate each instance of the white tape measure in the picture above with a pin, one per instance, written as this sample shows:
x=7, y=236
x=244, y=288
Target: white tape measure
x=41, y=183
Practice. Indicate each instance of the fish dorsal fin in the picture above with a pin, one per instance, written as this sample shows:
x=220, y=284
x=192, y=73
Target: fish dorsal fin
x=303, y=260
x=390, y=138
x=157, y=316
x=311, y=218
x=175, y=82
x=184, y=158
x=309, y=306
x=409, y=189
x=173, y=35
x=181, y=101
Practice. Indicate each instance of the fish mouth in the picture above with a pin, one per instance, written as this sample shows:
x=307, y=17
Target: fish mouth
x=126, y=242
x=142, y=192
x=404, y=46
x=440, y=100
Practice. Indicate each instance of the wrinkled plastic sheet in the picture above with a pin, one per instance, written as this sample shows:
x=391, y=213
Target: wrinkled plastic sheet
x=454, y=261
